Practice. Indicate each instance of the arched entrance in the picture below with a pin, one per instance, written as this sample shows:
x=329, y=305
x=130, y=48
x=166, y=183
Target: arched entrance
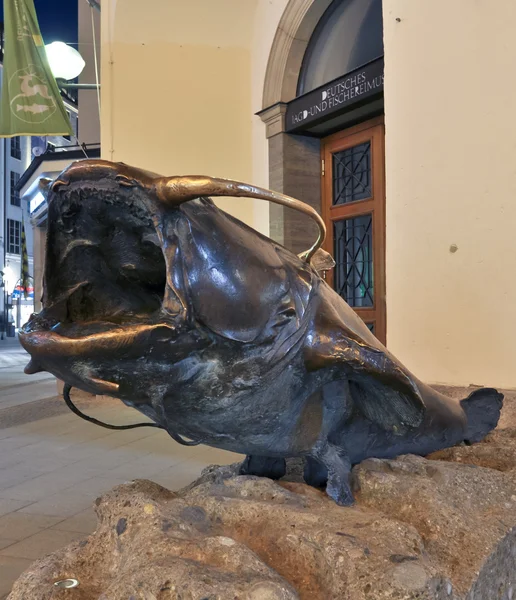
x=323, y=107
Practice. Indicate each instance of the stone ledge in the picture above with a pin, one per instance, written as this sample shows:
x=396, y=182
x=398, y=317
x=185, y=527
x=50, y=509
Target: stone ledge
x=421, y=529
x=435, y=528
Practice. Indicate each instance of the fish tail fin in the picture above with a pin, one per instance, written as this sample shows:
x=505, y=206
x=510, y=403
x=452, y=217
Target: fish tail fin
x=482, y=408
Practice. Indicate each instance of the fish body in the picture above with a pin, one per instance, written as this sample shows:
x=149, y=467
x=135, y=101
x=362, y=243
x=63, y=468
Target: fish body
x=154, y=295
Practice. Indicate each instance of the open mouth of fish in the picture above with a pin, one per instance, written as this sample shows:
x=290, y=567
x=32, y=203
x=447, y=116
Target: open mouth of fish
x=105, y=273
x=108, y=289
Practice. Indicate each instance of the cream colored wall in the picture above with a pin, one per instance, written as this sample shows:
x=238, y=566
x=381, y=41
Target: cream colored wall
x=450, y=99
x=176, y=90
x=182, y=81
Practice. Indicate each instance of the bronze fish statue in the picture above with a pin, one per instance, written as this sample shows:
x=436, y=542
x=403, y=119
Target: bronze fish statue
x=154, y=295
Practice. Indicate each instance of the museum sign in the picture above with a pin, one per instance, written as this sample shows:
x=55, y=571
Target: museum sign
x=333, y=98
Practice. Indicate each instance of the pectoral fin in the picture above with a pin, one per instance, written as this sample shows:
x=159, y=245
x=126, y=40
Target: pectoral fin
x=393, y=409
x=381, y=388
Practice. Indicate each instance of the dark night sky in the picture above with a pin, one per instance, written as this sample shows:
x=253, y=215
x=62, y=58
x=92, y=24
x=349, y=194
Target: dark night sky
x=57, y=20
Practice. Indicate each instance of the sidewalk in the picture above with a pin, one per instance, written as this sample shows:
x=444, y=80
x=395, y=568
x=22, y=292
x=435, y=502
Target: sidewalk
x=12, y=355
x=16, y=388
x=53, y=465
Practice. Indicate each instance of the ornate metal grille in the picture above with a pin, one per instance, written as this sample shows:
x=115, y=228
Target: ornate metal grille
x=352, y=174
x=353, y=251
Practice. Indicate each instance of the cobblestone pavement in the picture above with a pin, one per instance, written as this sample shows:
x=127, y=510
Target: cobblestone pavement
x=53, y=464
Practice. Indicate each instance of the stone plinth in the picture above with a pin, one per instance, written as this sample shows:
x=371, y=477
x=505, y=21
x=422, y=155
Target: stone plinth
x=421, y=529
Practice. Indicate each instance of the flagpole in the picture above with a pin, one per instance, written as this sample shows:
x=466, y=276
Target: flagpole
x=76, y=86
x=64, y=85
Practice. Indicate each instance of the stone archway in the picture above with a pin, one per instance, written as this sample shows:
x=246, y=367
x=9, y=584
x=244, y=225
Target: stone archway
x=288, y=48
x=294, y=160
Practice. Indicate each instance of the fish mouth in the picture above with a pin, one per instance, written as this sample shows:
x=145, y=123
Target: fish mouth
x=104, y=276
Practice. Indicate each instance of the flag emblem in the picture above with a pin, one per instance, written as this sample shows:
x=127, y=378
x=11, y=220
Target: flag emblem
x=31, y=101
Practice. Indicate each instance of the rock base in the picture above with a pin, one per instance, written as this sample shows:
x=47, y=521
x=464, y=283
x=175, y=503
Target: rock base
x=440, y=528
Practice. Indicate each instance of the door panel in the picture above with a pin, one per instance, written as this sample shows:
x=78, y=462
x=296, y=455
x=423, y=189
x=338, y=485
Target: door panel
x=353, y=192
x=351, y=174
x=353, y=251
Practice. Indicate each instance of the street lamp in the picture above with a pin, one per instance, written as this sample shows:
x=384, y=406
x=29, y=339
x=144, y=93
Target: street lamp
x=66, y=63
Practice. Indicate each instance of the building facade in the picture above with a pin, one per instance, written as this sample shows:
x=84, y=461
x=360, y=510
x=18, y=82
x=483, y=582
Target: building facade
x=391, y=118
x=15, y=155
x=14, y=214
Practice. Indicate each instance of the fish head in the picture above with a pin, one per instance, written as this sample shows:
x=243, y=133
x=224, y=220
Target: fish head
x=103, y=317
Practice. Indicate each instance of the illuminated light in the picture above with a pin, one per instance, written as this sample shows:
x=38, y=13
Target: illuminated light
x=9, y=278
x=65, y=62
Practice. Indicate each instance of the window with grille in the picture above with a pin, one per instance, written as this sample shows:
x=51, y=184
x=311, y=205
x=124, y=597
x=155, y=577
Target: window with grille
x=348, y=35
x=15, y=195
x=16, y=147
x=353, y=252
x=13, y=236
x=352, y=174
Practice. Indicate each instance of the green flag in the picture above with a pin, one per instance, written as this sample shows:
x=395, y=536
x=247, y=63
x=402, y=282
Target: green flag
x=31, y=102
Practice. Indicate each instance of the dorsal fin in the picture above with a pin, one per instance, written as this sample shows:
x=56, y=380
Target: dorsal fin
x=322, y=261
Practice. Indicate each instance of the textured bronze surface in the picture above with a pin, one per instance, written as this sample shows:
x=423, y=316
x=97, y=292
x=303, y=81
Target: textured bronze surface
x=155, y=296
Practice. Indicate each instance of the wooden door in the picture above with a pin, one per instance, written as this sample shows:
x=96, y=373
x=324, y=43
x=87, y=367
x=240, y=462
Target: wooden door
x=353, y=205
